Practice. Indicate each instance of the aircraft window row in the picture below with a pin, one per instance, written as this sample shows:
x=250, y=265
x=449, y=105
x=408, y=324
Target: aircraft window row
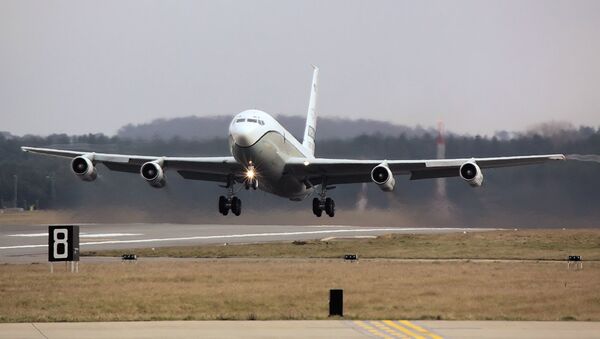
x=256, y=121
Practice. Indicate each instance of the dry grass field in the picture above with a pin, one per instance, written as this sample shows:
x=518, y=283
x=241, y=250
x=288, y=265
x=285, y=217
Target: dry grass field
x=298, y=289
x=34, y=217
x=292, y=280
x=522, y=244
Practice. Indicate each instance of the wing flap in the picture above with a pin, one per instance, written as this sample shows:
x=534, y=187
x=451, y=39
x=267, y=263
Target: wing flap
x=120, y=167
x=203, y=176
x=443, y=172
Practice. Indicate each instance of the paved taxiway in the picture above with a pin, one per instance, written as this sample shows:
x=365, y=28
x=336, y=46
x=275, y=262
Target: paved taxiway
x=305, y=329
x=25, y=244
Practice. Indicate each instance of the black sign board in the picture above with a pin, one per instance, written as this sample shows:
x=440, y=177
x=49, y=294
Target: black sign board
x=63, y=243
x=336, y=302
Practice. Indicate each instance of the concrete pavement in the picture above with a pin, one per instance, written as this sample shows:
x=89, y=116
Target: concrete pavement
x=305, y=329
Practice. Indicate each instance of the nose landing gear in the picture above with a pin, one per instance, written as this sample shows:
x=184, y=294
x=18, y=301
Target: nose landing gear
x=251, y=180
x=251, y=183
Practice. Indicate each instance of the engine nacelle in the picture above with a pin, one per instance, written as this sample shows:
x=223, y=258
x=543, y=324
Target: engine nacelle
x=84, y=168
x=383, y=177
x=471, y=173
x=153, y=173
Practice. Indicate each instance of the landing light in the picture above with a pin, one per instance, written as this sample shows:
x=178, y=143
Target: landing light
x=250, y=173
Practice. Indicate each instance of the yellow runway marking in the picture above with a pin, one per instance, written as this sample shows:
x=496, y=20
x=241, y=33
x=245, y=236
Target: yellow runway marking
x=380, y=325
x=395, y=329
x=371, y=329
x=419, y=329
x=403, y=329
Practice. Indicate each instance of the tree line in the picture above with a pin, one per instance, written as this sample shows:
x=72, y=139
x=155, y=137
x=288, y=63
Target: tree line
x=566, y=191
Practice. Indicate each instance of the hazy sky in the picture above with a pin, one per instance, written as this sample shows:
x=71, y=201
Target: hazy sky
x=93, y=66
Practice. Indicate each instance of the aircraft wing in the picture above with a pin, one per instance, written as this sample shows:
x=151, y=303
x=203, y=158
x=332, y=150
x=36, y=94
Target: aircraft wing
x=196, y=168
x=345, y=171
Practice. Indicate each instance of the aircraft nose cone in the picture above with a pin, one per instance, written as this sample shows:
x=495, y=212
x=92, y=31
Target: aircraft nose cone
x=243, y=135
x=241, y=139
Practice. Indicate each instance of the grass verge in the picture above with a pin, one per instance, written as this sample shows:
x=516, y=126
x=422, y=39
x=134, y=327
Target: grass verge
x=522, y=244
x=298, y=289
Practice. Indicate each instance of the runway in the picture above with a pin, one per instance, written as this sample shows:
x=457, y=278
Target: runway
x=305, y=329
x=28, y=244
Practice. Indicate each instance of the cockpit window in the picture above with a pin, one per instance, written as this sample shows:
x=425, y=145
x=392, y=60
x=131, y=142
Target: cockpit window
x=252, y=120
x=261, y=122
x=240, y=120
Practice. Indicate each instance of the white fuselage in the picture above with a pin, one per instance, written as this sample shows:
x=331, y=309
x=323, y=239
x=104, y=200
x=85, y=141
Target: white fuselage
x=257, y=139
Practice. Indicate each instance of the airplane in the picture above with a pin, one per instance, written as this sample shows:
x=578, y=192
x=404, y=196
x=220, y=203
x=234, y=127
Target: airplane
x=265, y=156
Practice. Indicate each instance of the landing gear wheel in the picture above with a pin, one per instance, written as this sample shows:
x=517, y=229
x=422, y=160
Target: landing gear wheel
x=223, y=208
x=317, y=207
x=330, y=207
x=236, y=206
x=254, y=184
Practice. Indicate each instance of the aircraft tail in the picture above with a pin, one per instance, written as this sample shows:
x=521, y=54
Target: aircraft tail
x=311, y=117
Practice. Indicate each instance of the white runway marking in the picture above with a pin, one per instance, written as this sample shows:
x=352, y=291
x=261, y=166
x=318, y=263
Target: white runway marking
x=351, y=237
x=252, y=235
x=28, y=235
x=81, y=235
x=102, y=235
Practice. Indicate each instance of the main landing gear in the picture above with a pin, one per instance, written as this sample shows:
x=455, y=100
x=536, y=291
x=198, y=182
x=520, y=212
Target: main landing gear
x=230, y=202
x=323, y=204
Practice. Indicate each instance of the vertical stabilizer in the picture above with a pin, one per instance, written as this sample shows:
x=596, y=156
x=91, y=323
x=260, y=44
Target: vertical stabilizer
x=311, y=117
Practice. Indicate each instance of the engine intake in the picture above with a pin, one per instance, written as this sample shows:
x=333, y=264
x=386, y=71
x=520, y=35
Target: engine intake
x=84, y=168
x=471, y=173
x=153, y=173
x=383, y=177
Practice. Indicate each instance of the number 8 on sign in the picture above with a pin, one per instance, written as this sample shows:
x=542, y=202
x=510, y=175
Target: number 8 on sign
x=61, y=243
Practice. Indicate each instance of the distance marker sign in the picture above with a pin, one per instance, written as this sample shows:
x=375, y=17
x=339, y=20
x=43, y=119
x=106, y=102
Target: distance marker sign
x=63, y=243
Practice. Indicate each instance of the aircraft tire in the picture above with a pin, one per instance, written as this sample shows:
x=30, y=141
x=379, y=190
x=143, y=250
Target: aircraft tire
x=223, y=205
x=236, y=206
x=330, y=207
x=317, y=207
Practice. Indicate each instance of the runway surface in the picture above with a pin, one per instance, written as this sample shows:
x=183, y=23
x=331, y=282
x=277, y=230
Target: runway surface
x=305, y=329
x=28, y=244
x=25, y=244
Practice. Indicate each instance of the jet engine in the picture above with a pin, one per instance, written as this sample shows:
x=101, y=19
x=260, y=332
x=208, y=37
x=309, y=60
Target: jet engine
x=154, y=174
x=84, y=168
x=383, y=177
x=471, y=173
